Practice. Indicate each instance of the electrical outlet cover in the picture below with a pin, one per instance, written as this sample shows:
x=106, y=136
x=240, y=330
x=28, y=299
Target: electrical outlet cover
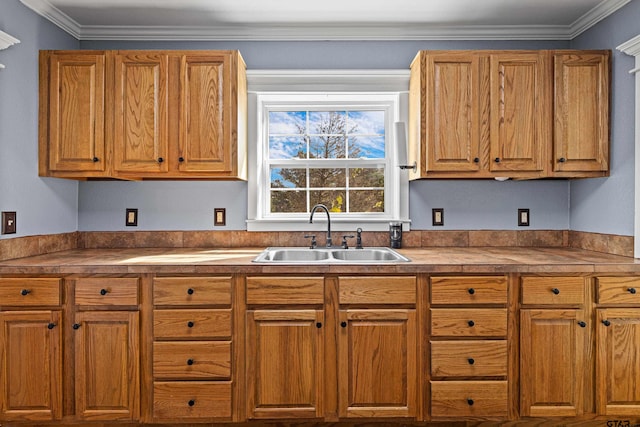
x=8, y=222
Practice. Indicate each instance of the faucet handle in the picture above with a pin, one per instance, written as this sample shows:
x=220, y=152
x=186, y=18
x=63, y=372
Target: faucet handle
x=344, y=240
x=359, y=238
x=313, y=240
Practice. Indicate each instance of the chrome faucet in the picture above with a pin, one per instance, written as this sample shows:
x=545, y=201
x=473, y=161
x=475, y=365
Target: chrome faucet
x=324, y=208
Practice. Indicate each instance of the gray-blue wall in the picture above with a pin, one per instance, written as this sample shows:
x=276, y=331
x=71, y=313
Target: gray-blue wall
x=44, y=206
x=56, y=205
x=606, y=205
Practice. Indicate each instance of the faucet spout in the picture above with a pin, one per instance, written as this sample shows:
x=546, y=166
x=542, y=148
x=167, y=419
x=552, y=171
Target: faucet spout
x=324, y=208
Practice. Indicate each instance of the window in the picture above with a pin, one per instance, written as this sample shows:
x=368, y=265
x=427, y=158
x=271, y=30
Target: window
x=331, y=148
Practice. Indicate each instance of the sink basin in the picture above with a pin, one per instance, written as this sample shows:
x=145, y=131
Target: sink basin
x=297, y=255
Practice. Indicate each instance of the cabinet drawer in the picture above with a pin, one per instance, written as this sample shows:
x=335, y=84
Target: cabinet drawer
x=469, y=290
x=285, y=290
x=191, y=400
x=553, y=290
x=191, y=291
x=377, y=290
x=29, y=292
x=192, y=324
x=458, y=322
x=107, y=291
x=469, y=358
x=192, y=360
x=458, y=399
x=618, y=290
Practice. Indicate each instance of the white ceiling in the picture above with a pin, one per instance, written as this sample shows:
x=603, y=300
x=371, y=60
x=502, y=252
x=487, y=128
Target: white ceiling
x=324, y=19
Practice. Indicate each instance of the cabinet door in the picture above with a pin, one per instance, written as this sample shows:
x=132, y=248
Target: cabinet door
x=140, y=112
x=552, y=367
x=581, y=112
x=107, y=365
x=76, y=112
x=520, y=111
x=31, y=366
x=206, y=90
x=285, y=363
x=452, y=113
x=618, y=362
x=377, y=352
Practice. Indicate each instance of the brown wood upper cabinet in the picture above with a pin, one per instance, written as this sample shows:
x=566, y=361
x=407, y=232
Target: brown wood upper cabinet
x=520, y=114
x=142, y=114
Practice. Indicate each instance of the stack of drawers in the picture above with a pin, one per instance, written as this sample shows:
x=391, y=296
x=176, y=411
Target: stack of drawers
x=192, y=331
x=468, y=347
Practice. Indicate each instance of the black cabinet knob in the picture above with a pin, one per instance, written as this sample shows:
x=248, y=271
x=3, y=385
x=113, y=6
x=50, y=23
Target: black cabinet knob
x=191, y=402
x=556, y=291
x=25, y=292
x=51, y=325
x=189, y=362
x=103, y=291
x=632, y=290
x=471, y=323
x=562, y=160
x=95, y=160
x=471, y=361
x=190, y=291
x=181, y=159
x=190, y=324
x=470, y=402
x=76, y=326
x=319, y=325
x=606, y=323
x=476, y=160
x=343, y=324
x=582, y=324
x=160, y=160
x=471, y=291
x=497, y=160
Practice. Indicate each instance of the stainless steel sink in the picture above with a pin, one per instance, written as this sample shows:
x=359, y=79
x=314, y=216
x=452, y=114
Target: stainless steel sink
x=297, y=255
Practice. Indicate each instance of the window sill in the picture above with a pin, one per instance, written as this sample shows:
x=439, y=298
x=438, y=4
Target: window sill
x=321, y=225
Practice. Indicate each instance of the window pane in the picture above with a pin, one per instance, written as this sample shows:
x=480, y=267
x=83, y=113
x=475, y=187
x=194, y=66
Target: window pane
x=371, y=147
x=327, y=147
x=288, y=201
x=327, y=122
x=335, y=200
x=287, y=147
x=366, y=177
x=287, y=122
x=288, y=178
x=321, y=178
x=367, y=122
x=366, y=201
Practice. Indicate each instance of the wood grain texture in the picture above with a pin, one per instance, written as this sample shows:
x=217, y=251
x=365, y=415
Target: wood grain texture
x=192, y=324
x=285, y=290
x=468, y=290
x=192, y=291
x=618, y=290
x=31, y=366
x=192, y=360
x=39, y=292
x=118, y=291
x=451, y=399
x=377, y=290
x=469, y=358
x=542, y=290
x=476, y=322
x=211, y=400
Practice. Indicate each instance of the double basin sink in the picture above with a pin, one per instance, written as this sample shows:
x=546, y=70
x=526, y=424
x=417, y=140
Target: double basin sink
x=299, y=255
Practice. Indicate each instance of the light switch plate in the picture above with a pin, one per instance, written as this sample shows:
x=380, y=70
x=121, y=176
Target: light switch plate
x=523, y=217
x=437, y=217
x=219, y=217
x=131, y=219
x=8, y=222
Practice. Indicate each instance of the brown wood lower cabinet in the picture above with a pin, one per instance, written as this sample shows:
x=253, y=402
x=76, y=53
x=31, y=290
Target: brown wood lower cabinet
x=469, y=399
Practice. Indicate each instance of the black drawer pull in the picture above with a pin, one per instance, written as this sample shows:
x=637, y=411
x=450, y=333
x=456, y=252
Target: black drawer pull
x=191, y=402
x=190, y=291
x=343, y=324
x=181, y=159
x=190, y=324
x=471, y=361
x=25, y=292
x=471, y=323
x=95, y=160
x=51, y=325
x=555, y=291
x=190, y=362
x=582, y=324
x=76, y=326
x=160, y=160
x=632, y=290
x=318, y=325
x=471, y=291
x=562, y=160
x=470, y=402
x=103, y=291
x=497, y=160
x=476, y=160
x=606, y=323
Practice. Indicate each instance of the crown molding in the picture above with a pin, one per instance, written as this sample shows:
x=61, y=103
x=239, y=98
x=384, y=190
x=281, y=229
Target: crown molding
x=55, y=15
x=631, y=47
x=595, y=15
x=328, y=80
x=6, y=40
x=278, y=32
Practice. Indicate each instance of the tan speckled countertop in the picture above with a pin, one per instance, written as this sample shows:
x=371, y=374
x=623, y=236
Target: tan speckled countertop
x=424, y=260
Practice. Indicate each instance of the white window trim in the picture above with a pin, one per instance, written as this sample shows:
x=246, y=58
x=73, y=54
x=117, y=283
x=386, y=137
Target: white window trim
x=632, y=48
x=388, y=83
